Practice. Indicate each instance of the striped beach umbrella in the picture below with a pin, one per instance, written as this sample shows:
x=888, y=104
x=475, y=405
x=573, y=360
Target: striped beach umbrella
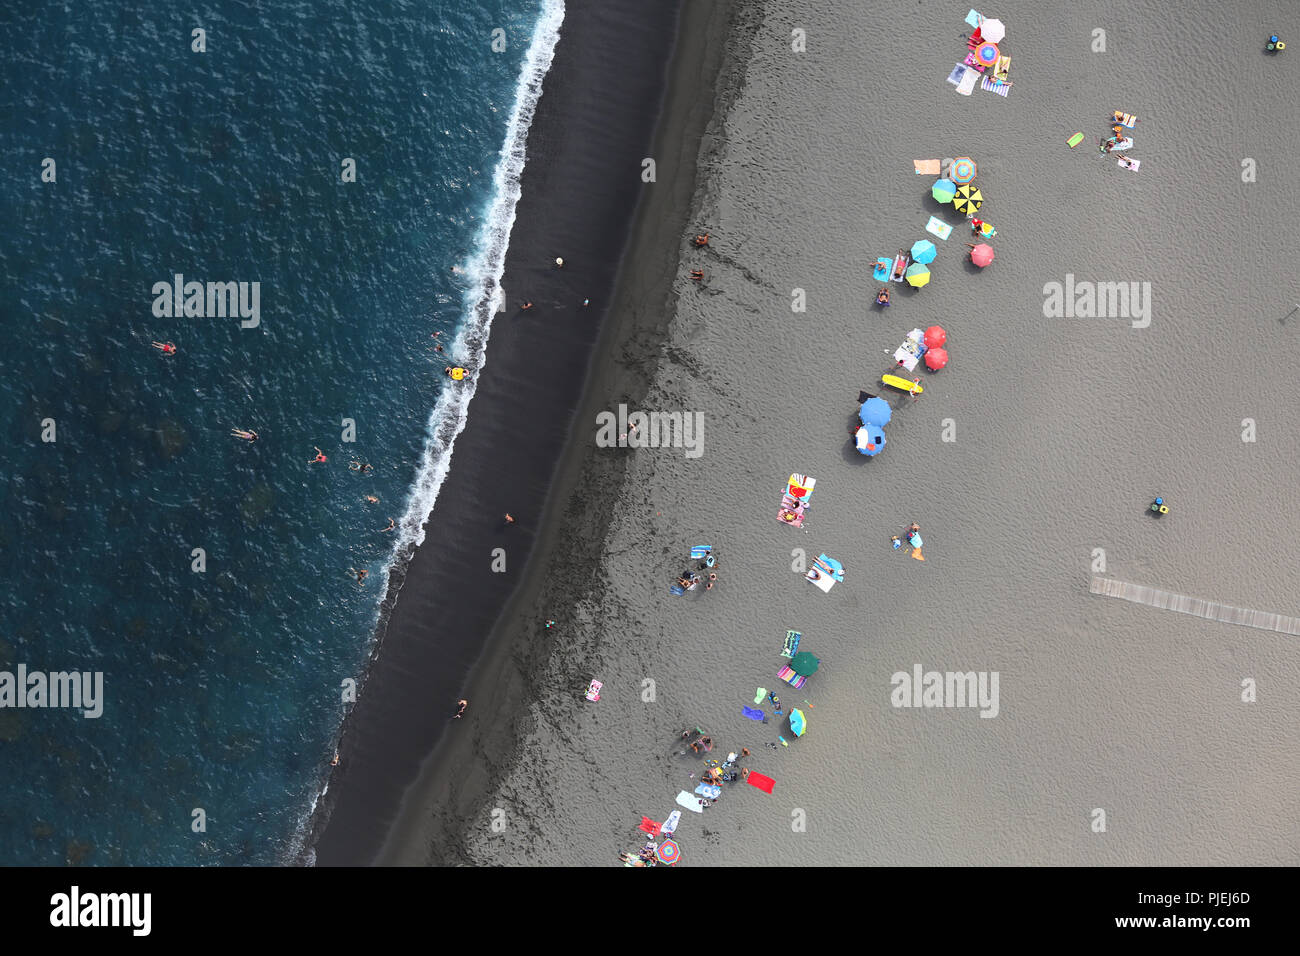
x=986, y=54
x=968, y=199
x=917, y=275
x=943, y=190
x=668, y=852
x=962, y=170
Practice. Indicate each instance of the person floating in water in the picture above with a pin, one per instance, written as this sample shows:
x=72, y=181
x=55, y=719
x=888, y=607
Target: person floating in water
x=360, y=466
x=320, y=457
x=372, y=499
x=361, y=575
x=244, y=434
x=167, y=348
x=455, y=373
x=391, y=525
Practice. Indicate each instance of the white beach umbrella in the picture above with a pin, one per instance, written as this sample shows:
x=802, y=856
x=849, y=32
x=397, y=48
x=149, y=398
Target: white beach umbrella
x=993, y=30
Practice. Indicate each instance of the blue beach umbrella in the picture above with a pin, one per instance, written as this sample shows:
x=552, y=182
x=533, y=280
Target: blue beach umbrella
x=797, y=723
x=875, y=411
x=870, y=440
x=943, y=190
x=923, y=251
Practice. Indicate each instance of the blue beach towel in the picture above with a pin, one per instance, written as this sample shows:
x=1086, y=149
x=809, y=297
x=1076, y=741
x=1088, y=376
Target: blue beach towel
x=677, y=589
x=753, y=714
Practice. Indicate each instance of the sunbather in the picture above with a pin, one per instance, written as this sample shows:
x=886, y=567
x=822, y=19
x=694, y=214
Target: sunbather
x=900, y=264
x=882, y=297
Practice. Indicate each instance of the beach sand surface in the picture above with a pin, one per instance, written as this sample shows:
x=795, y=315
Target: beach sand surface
x=1065, y=429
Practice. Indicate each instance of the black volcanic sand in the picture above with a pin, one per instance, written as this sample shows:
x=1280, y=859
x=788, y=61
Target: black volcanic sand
x=593, y=126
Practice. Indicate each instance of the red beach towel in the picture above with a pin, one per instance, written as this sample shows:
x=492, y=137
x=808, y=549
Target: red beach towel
x=763, y=783
x=649, y=826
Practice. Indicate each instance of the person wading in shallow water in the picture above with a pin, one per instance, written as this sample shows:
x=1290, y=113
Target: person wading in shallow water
x=461, y=705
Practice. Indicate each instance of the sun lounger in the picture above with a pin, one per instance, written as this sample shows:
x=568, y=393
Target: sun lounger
x=937, y=227
x=791, y=646
x=790, y=677
x=881, y=273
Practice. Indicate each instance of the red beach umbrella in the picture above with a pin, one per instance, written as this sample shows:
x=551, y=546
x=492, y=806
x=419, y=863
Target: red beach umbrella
x=982, y=254
x=936, y=359
x=935, y=337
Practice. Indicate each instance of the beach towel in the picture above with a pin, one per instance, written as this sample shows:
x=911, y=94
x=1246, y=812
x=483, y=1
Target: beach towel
x=788, y=516
x=649, y=826
x=973, y=18
x=1127, y=120
x=823, y=581
x=937, y=227
x=700, y=551
x=677, y=589
x=1074, y=140
x=670, y=825
x=881, y=272
x=691, y=802
x=712, y=793
x=763, y=783
x=790, y=677
x=791, y=645
x=1121, y=145
x=994, y=86
x=926, y=167
x=967, y=84
x=759, y=695
x=958, y=74
x=753, y=714
x=1132, y=165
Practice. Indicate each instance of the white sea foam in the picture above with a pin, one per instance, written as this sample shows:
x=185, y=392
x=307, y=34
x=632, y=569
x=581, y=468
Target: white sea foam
x=482, y=300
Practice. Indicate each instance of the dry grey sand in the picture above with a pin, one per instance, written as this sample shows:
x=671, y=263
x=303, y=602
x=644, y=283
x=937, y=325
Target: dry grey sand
x=1065, y=430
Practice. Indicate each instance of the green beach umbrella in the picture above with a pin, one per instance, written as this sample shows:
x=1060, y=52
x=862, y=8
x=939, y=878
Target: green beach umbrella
x=804, y=664
x=917, y=275
x=969, y=199
x=943, y=190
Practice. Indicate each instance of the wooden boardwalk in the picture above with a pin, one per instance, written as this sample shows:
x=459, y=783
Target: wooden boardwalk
x=1183, y=604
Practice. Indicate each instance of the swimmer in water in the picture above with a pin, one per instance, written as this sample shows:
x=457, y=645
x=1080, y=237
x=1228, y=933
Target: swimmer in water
x=361, y=575
x=244, y=434
x=456, y=374
x=390, y=527
x=372, y=499
x=320, y=457
x=167, y=348
x=461, y=705
x=360, y=466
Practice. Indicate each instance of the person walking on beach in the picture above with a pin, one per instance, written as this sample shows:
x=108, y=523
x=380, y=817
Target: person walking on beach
x=461, y=705
x=320, y=457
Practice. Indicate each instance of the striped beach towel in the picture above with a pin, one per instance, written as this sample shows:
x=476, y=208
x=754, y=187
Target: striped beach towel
x=993, y=86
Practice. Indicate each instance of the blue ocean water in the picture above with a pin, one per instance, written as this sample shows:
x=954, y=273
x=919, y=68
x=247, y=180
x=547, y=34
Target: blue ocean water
x=222, y=687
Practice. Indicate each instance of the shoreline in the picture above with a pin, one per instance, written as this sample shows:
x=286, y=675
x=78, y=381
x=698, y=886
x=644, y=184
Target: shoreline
x=462, y=772
x=579, y=189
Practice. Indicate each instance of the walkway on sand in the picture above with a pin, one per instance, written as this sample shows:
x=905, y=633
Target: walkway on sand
x=1183, y=604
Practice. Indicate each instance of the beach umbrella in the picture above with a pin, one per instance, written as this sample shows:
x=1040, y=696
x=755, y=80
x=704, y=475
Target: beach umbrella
x=935, y=337
x=668, y=852
x=962, y=170
x=943, y=190
x=875, y=411
x=969, y=199
x=923, y=250
x=917, y=275
x=870, y=440
x=993, y=30
x=986, y=54
x=982, y=254
x=804, y=664
x=797, y=723
x=935, y=359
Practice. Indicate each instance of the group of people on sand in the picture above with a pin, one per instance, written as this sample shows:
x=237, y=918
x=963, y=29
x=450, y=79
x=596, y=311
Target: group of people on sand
x=692, y=578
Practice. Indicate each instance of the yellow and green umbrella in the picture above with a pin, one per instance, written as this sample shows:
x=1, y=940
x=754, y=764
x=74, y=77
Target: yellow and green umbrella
x=917, y=275
x=968, y=199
